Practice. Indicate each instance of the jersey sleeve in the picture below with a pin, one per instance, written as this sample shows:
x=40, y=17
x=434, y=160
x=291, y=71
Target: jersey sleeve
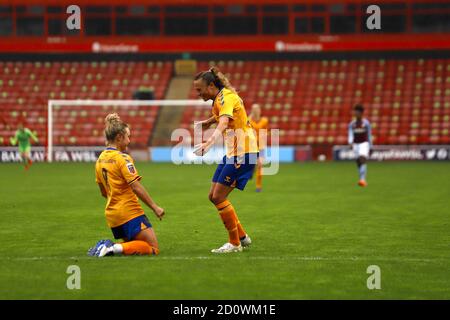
x=14, y=139
x=128, y=169
x=31, y=135
x=350, y=133
x=369, y=132
x=265, y=123
x=226, y=105
x=97, y=176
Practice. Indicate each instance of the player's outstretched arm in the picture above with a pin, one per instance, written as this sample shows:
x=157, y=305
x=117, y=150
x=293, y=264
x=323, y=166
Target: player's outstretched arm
x=143, y=195
x=34, y=137
x=13, y=140
x=204, y=147
x=205, y=124
x=31, y=135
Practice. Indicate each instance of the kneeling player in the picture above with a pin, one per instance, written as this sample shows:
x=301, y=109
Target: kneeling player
x=118, y=181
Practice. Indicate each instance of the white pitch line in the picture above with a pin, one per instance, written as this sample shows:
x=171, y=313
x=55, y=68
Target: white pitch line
x=243, y=258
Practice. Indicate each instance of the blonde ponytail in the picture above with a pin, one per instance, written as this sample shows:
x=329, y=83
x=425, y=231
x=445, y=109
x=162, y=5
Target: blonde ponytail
x=114, y=126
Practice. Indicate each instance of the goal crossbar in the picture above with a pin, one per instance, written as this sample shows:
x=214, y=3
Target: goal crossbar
x=96, y=103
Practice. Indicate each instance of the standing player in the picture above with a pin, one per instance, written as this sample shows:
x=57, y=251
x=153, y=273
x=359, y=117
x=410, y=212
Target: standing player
x=259, y=123
x=242, y=151
x=118, y=181
x=23, y=136
x=360, y=139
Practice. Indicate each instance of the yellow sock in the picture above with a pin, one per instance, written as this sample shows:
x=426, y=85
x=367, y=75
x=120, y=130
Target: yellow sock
x=138, y=247
x=229, y=219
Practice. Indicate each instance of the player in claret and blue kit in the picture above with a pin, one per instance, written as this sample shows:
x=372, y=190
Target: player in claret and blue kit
x=360, y=139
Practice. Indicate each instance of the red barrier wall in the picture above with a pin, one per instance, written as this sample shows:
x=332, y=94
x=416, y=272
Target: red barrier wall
x=227, y=44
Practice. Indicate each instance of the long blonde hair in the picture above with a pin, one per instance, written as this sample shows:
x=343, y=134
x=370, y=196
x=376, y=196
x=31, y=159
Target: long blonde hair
x=114, y=126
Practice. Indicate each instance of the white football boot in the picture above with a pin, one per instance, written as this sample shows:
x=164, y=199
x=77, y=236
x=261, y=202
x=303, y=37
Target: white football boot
x=246, y=242
x=104, y=250
x=227, y=248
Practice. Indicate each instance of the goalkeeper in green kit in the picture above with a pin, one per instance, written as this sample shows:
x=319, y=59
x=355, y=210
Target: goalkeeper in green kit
x=23, y=136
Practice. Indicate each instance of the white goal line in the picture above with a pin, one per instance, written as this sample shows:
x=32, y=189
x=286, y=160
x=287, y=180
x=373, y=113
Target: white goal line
x=95, y=103
x=247, y=258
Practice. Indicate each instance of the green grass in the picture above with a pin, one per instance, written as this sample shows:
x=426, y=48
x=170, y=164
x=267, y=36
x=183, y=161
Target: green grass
x=314, y=234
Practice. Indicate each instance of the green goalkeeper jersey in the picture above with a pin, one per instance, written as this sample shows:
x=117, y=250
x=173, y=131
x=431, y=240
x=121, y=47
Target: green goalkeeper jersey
x=23, y=137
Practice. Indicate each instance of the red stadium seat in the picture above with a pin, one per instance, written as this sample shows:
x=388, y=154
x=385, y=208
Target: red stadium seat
x=310, y=100
x=397, y=92
x=26, y=87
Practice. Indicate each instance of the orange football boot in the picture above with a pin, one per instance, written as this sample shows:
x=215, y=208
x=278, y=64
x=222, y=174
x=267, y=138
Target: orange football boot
x=362, y=183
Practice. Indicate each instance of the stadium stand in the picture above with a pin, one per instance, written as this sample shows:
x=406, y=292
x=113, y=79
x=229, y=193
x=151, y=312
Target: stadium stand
x=309, y=101
x=408, y=101
x=25, y=88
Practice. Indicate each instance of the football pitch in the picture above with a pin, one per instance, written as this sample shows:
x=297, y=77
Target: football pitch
x=314, y=232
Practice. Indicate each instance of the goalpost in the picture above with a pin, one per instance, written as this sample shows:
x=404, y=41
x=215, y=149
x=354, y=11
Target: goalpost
x=99, y=103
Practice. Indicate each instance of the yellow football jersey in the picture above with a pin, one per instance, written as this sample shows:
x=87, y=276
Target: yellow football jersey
x=239, y=136
x=116, y=172
x=263, y=123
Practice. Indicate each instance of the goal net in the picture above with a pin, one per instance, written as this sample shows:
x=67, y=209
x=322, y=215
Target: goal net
x=80, y=123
